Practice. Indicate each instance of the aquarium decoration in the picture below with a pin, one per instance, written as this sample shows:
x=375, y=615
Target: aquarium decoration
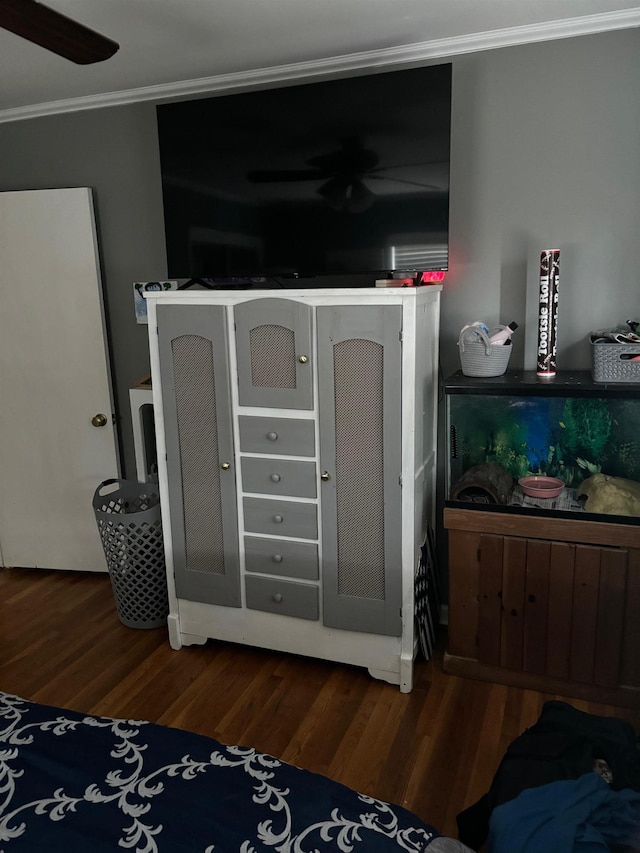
x=486, y=483
x=611, y=495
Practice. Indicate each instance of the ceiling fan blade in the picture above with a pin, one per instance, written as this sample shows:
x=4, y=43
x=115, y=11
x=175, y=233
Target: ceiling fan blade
x=266, y=176
x=350, y=158
x=55, y=32
x=402, y=181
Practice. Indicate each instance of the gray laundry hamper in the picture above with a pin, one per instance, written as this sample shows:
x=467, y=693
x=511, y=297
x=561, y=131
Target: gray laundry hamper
x=130, y=526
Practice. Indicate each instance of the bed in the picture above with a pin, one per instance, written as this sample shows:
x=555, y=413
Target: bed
x=73, y=783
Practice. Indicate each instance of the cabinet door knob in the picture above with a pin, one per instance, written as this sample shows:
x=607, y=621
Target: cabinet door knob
x=275, y=478
x=225, y=466
x=325, y=476
x=99, y=420
x=277, y=597
x=277, y=558
x=272, y=436
x=278, y=519
x=303, y=359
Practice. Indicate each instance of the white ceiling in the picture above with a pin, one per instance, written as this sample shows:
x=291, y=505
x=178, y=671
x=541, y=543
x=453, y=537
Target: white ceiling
x=177, y=48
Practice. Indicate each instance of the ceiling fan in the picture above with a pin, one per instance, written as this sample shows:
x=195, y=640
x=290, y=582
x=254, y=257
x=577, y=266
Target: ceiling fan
x=343, y=173
x=56, y=32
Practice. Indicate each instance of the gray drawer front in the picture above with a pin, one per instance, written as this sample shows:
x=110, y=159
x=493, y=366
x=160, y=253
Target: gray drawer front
x=286, y=436
x=280, y=518
x=284, y=597
x=279, y=477
x=281, y=557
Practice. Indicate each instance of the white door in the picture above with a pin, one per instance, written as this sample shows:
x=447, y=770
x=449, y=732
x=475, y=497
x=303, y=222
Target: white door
x=54, y=380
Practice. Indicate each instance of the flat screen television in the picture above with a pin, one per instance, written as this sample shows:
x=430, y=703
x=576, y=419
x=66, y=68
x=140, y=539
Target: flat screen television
x=341, y=177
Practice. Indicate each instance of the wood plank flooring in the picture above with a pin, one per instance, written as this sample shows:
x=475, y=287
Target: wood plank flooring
x=433, y=751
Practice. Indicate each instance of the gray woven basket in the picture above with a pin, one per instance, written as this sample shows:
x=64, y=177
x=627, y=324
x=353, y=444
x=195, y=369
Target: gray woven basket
x=480, y=358
x=613, y=362
x=130, y=526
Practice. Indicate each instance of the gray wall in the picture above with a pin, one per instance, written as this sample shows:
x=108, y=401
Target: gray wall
x=114, y=151
x=545, y=154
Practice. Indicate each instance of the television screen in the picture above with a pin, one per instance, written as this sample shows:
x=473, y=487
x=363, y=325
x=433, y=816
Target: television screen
x=339, y=177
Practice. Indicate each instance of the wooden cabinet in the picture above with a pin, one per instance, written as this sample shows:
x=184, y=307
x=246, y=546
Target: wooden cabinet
x=296, y=446
x=549, y=604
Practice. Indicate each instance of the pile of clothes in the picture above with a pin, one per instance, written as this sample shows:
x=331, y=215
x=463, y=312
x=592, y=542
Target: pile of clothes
x=571, y=782
x=618, y=335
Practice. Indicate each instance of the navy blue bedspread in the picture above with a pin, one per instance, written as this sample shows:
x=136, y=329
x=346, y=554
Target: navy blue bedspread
x=72, y=783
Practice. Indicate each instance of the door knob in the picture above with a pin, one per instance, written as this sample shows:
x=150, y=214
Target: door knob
x=303, y=359
x=325, y=476
x=99, y=420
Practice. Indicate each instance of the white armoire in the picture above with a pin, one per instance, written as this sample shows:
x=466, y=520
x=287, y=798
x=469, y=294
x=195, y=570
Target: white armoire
x=296, y=434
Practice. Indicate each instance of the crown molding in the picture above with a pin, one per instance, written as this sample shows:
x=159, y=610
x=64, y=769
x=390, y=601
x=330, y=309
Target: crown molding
x=389, y=58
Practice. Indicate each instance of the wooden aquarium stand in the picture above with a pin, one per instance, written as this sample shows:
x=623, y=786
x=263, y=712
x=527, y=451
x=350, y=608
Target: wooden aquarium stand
x=545, y=603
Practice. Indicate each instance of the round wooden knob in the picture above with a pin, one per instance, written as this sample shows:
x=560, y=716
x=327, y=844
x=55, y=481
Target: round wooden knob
x=277, y=558
x=278, y=519
x=275, y=478
x=277, y=597
x=272, y=436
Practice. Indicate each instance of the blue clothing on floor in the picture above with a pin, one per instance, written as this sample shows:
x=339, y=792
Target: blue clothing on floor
x=569, y=816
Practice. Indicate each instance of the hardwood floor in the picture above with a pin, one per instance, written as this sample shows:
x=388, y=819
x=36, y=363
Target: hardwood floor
x=433, y=751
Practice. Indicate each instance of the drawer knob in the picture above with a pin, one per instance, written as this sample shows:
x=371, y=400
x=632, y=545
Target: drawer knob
x=277, y=558
x=275, y=478
x=272, y=436
x=278, y=519
x=325, y=476
x=277, y=597
x=303, y=359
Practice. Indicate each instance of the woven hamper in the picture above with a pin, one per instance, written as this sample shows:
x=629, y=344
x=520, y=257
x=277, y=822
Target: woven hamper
x=130, y=526
x=614, y=362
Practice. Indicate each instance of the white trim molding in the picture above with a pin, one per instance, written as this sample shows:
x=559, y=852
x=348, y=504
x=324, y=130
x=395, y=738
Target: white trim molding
x=393, y=57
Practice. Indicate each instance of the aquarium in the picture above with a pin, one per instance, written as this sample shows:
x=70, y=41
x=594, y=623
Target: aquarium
x=503, y=429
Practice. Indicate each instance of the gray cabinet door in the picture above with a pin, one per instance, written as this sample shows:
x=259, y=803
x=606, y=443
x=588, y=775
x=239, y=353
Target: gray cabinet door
x=194, y=369
x=273, y=347
x=359, y=368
